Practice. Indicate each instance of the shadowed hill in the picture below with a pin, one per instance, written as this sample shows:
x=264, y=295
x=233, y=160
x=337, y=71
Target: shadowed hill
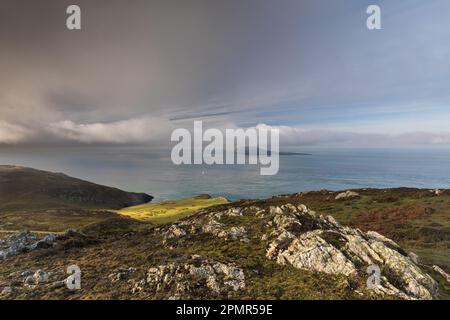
x=30, y=189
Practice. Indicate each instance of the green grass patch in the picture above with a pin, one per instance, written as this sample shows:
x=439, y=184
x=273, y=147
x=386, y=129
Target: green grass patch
x=171, y=210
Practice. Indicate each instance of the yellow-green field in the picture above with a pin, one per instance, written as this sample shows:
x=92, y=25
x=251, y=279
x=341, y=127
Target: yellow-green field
x=59, y=220
x=171, y=210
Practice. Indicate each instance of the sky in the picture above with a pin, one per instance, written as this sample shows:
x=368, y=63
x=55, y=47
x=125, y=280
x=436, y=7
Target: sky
x=139, y=69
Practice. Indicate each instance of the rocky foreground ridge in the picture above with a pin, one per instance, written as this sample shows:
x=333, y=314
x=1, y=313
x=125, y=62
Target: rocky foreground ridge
x=298, y=237
x=229, y=251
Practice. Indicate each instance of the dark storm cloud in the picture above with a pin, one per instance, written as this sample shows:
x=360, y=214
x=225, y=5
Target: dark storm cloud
x=137, y=65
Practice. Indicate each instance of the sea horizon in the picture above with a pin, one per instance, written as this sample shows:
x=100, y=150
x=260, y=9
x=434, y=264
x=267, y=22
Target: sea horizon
x=140, y=169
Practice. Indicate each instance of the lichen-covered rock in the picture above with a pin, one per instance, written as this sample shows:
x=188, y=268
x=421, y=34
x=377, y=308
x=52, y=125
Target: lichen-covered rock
x=436, y=192
x=175, y=232
x=275, y=210
x=414, y=257
x=182, y=281
x=298, y=237
x=121, y=274
x=24, y=241
x=210, y=225
x=442, y=272
x=29, y=280
x=321, y=244
x=234, y=233
x=213, y=227
x=234, y=212
x=347, y=195
x=386, y=241
x=413, y=281
x=16, y=243
x=279, y=244
x=40, y=277
x=7, y=291
x=309, y=251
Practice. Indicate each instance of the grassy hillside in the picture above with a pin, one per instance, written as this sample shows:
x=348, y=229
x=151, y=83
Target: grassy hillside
x=169, y=211
x=25, y=189
x=48, y=202
x=52, y=221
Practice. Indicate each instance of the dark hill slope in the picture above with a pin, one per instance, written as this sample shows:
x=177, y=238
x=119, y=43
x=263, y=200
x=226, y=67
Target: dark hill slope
x=30, y=189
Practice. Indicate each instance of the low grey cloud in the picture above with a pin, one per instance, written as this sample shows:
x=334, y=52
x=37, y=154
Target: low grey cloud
x=153, y=132
x=132, y=131
x=13, y=134
x=139, y=68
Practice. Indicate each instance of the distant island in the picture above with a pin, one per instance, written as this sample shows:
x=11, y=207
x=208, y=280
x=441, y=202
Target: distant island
x=281, y=153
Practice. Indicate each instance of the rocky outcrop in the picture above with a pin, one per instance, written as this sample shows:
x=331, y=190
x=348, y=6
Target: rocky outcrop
x=321, y=244
x=23, y=241
x=300, y=238
x=28, y=281
x=309, y=251
x=442, y=272
x=347, y=195
x=121, y=274
x=37, y=278
x=211, y=225
x=7, y=291
x=26, y=241
x=183, y=280
x=437, y=192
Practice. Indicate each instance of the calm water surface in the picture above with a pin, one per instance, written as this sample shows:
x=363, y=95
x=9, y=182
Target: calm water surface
x=150, y=171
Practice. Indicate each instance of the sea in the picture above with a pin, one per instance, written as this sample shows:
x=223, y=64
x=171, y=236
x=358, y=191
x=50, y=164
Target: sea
x=148, y=170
